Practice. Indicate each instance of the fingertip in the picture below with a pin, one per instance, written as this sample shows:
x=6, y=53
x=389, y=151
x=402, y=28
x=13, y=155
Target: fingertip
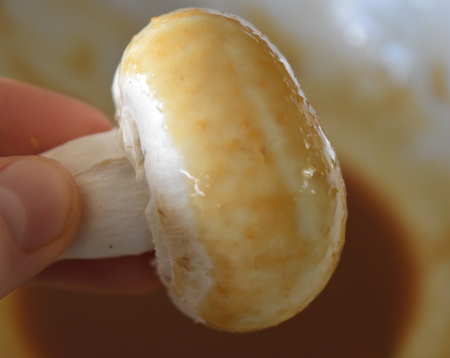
x=118, y=275
x=39, y=212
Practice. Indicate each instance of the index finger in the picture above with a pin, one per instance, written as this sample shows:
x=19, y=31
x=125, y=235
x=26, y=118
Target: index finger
x=33, y=120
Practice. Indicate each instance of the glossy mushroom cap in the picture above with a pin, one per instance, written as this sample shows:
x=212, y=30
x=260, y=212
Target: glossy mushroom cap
x=247, y=204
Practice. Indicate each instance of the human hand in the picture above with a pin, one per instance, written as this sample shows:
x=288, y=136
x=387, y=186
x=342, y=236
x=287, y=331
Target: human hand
x=39, y=200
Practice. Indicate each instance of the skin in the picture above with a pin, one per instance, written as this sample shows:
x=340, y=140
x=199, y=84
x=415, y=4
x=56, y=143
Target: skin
x=33, y=120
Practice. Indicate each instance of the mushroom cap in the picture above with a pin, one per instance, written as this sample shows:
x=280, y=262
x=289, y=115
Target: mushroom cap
x=248, y=205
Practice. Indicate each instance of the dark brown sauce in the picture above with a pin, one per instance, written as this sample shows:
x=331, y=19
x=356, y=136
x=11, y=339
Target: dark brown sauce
x=363, y=312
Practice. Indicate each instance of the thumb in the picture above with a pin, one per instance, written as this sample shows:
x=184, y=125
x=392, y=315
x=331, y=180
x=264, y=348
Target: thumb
x=39, y=214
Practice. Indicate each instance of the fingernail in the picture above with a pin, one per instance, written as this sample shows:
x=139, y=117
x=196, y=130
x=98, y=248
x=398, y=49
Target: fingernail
x=38, y=201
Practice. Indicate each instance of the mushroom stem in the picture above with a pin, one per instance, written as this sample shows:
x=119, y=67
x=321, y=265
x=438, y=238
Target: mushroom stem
x=113, y=219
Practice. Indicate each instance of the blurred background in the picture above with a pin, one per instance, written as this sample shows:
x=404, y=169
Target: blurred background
x=378, y=74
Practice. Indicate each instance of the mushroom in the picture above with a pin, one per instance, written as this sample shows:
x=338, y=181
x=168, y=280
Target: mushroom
x=222, y=166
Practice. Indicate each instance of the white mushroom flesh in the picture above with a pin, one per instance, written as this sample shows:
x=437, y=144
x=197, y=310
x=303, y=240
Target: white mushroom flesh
x=113, y=203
